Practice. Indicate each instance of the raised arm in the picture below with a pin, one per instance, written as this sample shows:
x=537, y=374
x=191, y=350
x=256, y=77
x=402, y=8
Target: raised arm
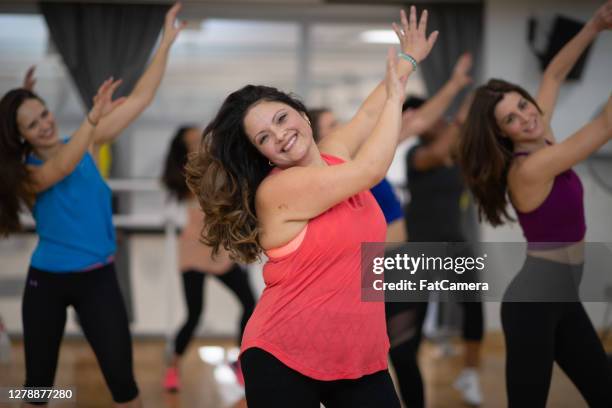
x=66, y=159
x=440, y=152
x=543, y=165
x=413, y=42
x=141, y=97
x=417, y=121
x=563, y=62
x=301, y=193
x=29, y=80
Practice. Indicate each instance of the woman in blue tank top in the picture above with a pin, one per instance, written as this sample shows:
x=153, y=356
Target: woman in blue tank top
x=72, y=264
x=508, y=153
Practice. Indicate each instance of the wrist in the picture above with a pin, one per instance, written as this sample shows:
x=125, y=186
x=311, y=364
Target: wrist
x=592, y=27
x=457, y=83
x=165, y=44
x=394, y=100
x=410, y=58
x=92, y=120
x=414, y=54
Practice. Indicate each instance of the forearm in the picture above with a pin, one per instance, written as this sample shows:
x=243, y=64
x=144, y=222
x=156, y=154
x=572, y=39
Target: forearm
x=147, y=85
x=434, y=108
x=548, y=163
x=562, y=63
x=588, y=139
x=437, y=154
x=72, y=152
x=376, y=153
x=140, y=98
x=372, y=107
x=446, y=142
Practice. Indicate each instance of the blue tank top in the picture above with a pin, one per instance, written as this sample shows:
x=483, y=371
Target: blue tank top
x=387, y=200
x=73, y=221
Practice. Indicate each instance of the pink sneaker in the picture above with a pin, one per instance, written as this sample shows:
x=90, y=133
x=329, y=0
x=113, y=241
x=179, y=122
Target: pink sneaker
x=171, y=380
x=238, y=372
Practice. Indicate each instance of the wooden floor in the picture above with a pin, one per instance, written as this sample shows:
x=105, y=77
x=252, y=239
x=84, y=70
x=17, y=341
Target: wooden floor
x=78, y=368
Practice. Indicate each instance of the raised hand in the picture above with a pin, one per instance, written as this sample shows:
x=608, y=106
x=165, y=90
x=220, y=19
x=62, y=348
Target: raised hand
x=602, y=19
x=461, y=70
x=29, y=80
x=103, y=101
x=171, y=25
x=412, y=36
x=395, y=86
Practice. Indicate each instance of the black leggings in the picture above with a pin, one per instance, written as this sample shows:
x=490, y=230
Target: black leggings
x=472, y=319
x=98, y=302
x=271, y=384
x=540, y=333
x=405, y=330
x=236, y=279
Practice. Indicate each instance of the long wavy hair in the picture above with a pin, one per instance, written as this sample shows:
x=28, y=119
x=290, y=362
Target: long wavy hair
x=173, y=175
x=225, y=174
x=15, y=183
x=485, y=153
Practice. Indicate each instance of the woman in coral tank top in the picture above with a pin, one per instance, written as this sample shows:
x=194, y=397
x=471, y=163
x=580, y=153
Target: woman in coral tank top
x=265, y=186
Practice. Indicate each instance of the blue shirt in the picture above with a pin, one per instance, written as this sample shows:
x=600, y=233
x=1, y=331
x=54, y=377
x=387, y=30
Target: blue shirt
x=73, y=220
x=388, y=201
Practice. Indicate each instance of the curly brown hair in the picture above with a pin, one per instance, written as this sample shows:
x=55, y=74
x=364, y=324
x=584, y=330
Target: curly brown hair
x=225, y=174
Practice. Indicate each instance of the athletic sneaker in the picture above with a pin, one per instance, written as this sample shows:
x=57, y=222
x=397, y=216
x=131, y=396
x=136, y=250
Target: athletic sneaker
x=468, y=383
x=237, y=372
x=171, y=380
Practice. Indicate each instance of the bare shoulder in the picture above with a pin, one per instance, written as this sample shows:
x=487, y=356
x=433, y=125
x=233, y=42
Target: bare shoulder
x=271, y=207
x=272, y=187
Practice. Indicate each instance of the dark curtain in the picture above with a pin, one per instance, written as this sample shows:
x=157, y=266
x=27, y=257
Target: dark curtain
x=460, y=27
x=100, y=40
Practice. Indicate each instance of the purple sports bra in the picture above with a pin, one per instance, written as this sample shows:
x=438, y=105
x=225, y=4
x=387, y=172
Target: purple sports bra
x=559, y=220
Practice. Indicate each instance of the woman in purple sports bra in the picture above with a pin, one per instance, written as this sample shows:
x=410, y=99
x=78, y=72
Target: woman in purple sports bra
x=508, y=154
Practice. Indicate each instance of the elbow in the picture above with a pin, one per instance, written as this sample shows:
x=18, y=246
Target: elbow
x=369, y=173
x=142, y=100
x=553, y=76
x=376, y=174
x=65, y=168
x=414, y=126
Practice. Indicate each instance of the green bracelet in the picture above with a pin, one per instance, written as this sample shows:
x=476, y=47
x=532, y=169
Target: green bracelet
x=408, y=58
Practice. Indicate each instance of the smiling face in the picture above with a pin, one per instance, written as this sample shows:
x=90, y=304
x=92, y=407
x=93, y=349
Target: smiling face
x=36, y=124
x=518, y=118
x=280, y=133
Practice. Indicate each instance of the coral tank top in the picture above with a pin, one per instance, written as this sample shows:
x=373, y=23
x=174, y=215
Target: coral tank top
x=310, y=315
